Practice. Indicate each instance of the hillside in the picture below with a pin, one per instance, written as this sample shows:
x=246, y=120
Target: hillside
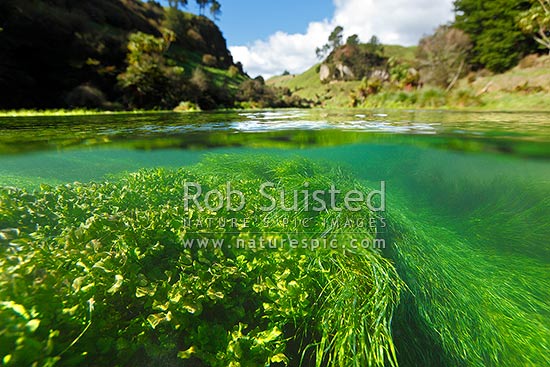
x=308, y=85
x=524, y=87
x=54, y=50
x=399, y=52
x=336, y=93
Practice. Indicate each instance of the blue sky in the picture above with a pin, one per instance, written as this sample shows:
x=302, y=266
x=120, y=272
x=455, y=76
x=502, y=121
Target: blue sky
x=245, y=21
x=269, y=37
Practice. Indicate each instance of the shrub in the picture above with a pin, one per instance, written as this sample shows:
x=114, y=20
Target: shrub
x=528, y=89
x=187, y=106
x=406, y=98
x=196, y=37
x=233, y=71
x=209, y=60
x=204, y=89
x=255, y=93
x=148, y=81
x=442, y=56
x=368, y=87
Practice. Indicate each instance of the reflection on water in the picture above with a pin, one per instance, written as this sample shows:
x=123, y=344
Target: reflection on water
x=33, y=133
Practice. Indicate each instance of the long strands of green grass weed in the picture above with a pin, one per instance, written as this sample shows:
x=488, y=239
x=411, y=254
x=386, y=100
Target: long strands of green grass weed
x=481, y=307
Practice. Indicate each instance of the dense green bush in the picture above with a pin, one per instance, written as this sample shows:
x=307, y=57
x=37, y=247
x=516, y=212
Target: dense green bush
x=99, y=274
x=498, y=42
x=49, y=48
x=149, y=81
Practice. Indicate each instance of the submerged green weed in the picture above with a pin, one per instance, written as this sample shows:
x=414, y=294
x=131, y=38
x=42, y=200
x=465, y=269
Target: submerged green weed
x=469, y=304
x=100, y=274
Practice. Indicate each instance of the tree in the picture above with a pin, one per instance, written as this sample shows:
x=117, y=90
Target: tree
x=374, y=46
x=334, y=41
x=200, y=80
x=322, y=51
x=353, y=40
x=215, y=9
x=202, y=5
x=498, y=42
x=536, y=21
x=442, y=56
x=176, y=3
x=148, y=81
x=256, y=93
x=335, y=38
x=215, y=6
x=354, y=60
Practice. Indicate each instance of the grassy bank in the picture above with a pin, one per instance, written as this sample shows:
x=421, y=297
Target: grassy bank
x=525, y=87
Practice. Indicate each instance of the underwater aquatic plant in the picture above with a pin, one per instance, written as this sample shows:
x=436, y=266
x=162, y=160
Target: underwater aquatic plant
x=466, y=304
x=103, y=274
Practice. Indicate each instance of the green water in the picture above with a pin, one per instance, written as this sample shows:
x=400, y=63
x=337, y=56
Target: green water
x=467, y=206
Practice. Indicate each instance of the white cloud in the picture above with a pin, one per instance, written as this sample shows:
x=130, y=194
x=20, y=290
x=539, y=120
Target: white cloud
x=283, y=51
x=392, y=21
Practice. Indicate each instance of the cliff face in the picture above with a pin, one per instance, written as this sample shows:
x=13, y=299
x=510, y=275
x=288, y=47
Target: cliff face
x=49, y=48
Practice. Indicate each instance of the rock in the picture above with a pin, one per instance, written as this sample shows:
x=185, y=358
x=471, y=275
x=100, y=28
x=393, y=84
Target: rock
x=324, y=72
x=344, y=72
x=380, y=74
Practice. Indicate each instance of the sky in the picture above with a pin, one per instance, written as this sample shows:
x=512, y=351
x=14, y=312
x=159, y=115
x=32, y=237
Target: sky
x=269, y=37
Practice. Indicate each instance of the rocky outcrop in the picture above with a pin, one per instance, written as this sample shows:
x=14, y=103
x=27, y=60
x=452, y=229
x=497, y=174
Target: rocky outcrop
x=324, y=73
x=354, y=62
x=336, y=72
x=344, y=72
